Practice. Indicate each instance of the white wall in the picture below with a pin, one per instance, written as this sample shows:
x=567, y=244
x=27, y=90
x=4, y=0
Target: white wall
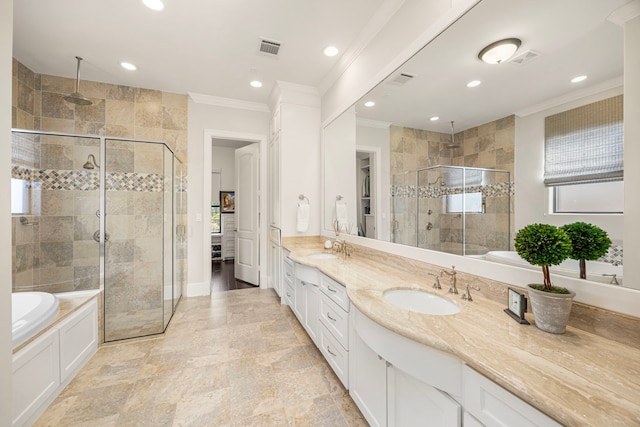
x=532, y=201
x=414, y=24
x=6, y=48
x=206, y=119
x=223, y=158
x=379, y=137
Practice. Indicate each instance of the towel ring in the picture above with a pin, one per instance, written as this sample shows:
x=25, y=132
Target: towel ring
x=338, y=197
x=303, y=197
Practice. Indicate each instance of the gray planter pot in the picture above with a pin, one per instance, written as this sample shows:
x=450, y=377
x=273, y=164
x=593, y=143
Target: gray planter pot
x=551, y=311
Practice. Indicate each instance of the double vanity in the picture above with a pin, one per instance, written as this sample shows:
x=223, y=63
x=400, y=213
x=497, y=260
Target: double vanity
x=414, y=355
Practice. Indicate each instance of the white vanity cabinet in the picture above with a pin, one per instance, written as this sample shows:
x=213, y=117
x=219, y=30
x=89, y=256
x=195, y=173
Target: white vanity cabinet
x=389, y=395
x=334, y=326
x=306, y=299
x=493, y=406
x=288, y=282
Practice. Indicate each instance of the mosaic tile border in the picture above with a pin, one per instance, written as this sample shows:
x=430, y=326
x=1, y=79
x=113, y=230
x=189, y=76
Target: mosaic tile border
x=85, y=180
x=502, y=189
x=613, y=256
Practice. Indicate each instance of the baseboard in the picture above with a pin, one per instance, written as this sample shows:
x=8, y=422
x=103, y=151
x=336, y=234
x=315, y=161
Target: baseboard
x=198, y=289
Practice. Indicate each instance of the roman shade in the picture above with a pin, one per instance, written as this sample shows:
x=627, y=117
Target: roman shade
x=585, y=144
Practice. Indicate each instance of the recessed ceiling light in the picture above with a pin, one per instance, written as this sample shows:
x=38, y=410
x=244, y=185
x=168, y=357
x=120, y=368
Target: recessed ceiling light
x=369, y=104
x=256, y=83
x=331, y=51
x=474, y=83
x=434, y=118
x=154, y=4
x=128, y=66
x=578, y=79
x=499, y=51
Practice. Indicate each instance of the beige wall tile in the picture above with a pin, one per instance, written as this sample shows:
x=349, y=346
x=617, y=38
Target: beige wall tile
x=57, y=125
x=119, y=112
x=23, y=120
x=120, y=93
x=91, y=113
x=148, y=114
x=174, y=118
x=55, y=84
x=175, y=100
x=149, y=134
x=120, y=131
x=92, y=89
x=148, y=96
x=54, y=106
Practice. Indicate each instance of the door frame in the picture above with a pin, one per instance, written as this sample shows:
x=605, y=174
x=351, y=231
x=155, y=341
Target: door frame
x=261, y=139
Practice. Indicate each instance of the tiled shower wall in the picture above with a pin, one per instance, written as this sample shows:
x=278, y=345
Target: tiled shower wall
x=489, y=146
x=117, y=111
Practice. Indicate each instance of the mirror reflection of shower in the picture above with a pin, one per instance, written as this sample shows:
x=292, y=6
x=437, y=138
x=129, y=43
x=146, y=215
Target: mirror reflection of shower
x=439, y=178
x=91, y=163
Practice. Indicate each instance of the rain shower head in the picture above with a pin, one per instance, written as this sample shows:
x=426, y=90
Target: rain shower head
x=453, y=143
x=91, y=163
x=76, y=97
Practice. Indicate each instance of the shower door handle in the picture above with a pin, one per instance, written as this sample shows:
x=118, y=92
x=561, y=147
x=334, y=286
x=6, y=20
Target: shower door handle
x=96, y=236
x=429, y=226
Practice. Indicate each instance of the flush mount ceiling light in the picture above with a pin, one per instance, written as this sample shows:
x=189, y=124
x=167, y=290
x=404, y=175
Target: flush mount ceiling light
x=128, y=66
x=578, y=79
x=154, y=4
x=474, y=83
x=499, y=51
x=369, y=104
x=434, y=118
x=256, y=83
x=331, y=51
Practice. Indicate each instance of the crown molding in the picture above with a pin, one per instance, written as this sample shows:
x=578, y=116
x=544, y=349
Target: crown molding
x=228, y=102
x=373, y=123
x=625, y=13
x=573, y=96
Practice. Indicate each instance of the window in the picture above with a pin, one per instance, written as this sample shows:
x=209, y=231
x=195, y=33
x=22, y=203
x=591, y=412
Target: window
x=472, y=203
x=19, y=196
x=584, y=158
x=215, y=217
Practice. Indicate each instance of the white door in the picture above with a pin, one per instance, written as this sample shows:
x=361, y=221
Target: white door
x=247, y=214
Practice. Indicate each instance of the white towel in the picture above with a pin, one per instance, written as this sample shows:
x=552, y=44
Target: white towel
x=302, y=219
x=342, y=216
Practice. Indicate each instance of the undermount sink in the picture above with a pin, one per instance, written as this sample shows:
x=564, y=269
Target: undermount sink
x=323, y=255
x=421, y=302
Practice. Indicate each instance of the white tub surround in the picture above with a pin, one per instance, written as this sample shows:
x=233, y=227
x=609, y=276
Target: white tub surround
x=588, y=376
x=30, y=313
x=45, y=363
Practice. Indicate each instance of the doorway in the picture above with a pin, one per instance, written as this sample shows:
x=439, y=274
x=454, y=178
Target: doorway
x=219, y=163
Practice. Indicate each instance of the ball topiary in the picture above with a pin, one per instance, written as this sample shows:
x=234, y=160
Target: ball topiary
x=543, y=245
x=588, y=242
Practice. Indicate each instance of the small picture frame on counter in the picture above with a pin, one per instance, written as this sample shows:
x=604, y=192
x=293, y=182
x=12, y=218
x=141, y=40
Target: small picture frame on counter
x=517, y=306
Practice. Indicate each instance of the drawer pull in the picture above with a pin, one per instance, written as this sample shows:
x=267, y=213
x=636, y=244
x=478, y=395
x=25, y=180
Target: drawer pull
x=288, y=274
x=331, y=352
x=288, y=294
x=331, y=290
x=330, y=318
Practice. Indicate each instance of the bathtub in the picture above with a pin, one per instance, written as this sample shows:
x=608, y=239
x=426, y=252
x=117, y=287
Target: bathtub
x=30, y=313
x=569, y=267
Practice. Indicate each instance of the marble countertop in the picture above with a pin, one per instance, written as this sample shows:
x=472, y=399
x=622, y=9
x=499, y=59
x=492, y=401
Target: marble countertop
x=578, y=378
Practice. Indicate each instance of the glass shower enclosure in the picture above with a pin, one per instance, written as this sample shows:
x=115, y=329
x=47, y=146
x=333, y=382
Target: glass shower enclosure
x=92, y=212
x=453, y=209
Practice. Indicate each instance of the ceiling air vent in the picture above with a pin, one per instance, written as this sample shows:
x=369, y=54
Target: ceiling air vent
x=268, y=47
x=525, y=57
x=402, y=78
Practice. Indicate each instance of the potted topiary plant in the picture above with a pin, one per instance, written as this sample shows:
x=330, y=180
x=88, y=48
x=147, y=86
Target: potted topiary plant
x=588, y=243
x=544, y=245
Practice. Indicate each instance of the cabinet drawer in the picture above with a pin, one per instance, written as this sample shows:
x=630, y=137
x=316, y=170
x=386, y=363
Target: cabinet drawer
x=494, y=406
x=335, y=319
x=335, y=291
x=288, y=269
x=337, y=357
x=289, y=293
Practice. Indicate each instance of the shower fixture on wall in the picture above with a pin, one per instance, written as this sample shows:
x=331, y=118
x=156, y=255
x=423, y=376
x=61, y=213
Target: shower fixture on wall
x=91, y=163
x=439, y=178
x=76, y=97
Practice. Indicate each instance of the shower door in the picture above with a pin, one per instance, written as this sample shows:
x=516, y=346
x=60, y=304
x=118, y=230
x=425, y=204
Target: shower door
x=137, y=265
x=403, y=208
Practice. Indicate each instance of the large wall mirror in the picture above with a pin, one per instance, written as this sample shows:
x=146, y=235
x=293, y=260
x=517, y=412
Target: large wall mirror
x=447, y=152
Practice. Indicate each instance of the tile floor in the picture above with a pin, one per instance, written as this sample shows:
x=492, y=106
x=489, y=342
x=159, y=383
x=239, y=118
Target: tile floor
x=237, y=358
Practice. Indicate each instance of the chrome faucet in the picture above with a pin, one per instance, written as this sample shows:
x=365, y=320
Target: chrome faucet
x=614, y=279
x=452, y=275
